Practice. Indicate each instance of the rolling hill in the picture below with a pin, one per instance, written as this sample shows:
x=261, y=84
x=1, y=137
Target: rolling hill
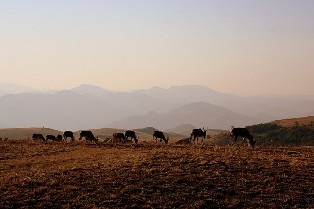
x=200, y=114
x=295, y=121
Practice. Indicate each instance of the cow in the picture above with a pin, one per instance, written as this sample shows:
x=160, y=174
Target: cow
x=67, y=134
x=38, y=137
x=160, y=135
x=88, y=135
x=59, y=138
x=132, y=135
x=242, y=132
x=51, y=137
x=119, y=136
x=198, y=133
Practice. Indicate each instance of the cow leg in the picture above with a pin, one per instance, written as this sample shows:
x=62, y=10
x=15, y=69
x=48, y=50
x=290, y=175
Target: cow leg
x=243, y=140
x=235, y=141
x=251, y=141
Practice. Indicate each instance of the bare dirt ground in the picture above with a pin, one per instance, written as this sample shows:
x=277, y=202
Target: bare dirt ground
x=87, y=175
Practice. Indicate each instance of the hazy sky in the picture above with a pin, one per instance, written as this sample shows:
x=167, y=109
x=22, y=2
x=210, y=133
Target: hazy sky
x=235, y=46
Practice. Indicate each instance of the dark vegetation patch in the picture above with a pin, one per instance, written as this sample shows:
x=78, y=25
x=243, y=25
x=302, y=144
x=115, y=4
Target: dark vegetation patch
x=274, y=134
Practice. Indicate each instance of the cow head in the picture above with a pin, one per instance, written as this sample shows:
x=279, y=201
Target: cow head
x=231, y=132
x=167, y=139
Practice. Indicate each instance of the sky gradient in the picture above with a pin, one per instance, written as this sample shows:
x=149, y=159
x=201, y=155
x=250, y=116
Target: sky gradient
x=244, y=47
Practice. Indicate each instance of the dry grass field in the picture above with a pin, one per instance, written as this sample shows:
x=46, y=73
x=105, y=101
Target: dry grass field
x=148, y=175
x=293, y=121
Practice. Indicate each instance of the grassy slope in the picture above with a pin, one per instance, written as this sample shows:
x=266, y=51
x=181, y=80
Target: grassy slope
x=292, y=121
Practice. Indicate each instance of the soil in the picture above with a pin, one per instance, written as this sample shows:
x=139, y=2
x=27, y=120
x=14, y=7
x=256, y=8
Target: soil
x=150, y=175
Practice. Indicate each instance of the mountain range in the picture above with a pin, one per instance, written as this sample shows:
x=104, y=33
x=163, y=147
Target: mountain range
x=87, y=106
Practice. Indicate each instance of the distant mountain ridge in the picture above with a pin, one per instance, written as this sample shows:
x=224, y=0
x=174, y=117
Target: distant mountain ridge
x=199, y=114
x=90, y=89
x=88, y=106
x=9, y=88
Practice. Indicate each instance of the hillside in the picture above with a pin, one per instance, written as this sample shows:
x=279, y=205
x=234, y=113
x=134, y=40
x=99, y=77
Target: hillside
x=184, y=129
x=198, y=114
x=295, y=121
x=295, y=131
x=89, y=175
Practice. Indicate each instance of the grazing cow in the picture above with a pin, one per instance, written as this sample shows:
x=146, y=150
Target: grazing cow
x=59, y=138
x=67, y=134
x=51, y=137
x=198, y=133
x=38, y=137
x=119, y=136
x=161, y=136
x=132, y=135
x=88, y=135
x=242, y=132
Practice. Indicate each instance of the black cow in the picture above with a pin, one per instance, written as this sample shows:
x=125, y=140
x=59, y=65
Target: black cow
x=198, y=133
x=160, y=135
x=242, y=132
x=132, y=135
x=51, y=137
x=38, y=137
x=59, y=138
x=67, y=134
x=119, y=136
x=88, y=135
